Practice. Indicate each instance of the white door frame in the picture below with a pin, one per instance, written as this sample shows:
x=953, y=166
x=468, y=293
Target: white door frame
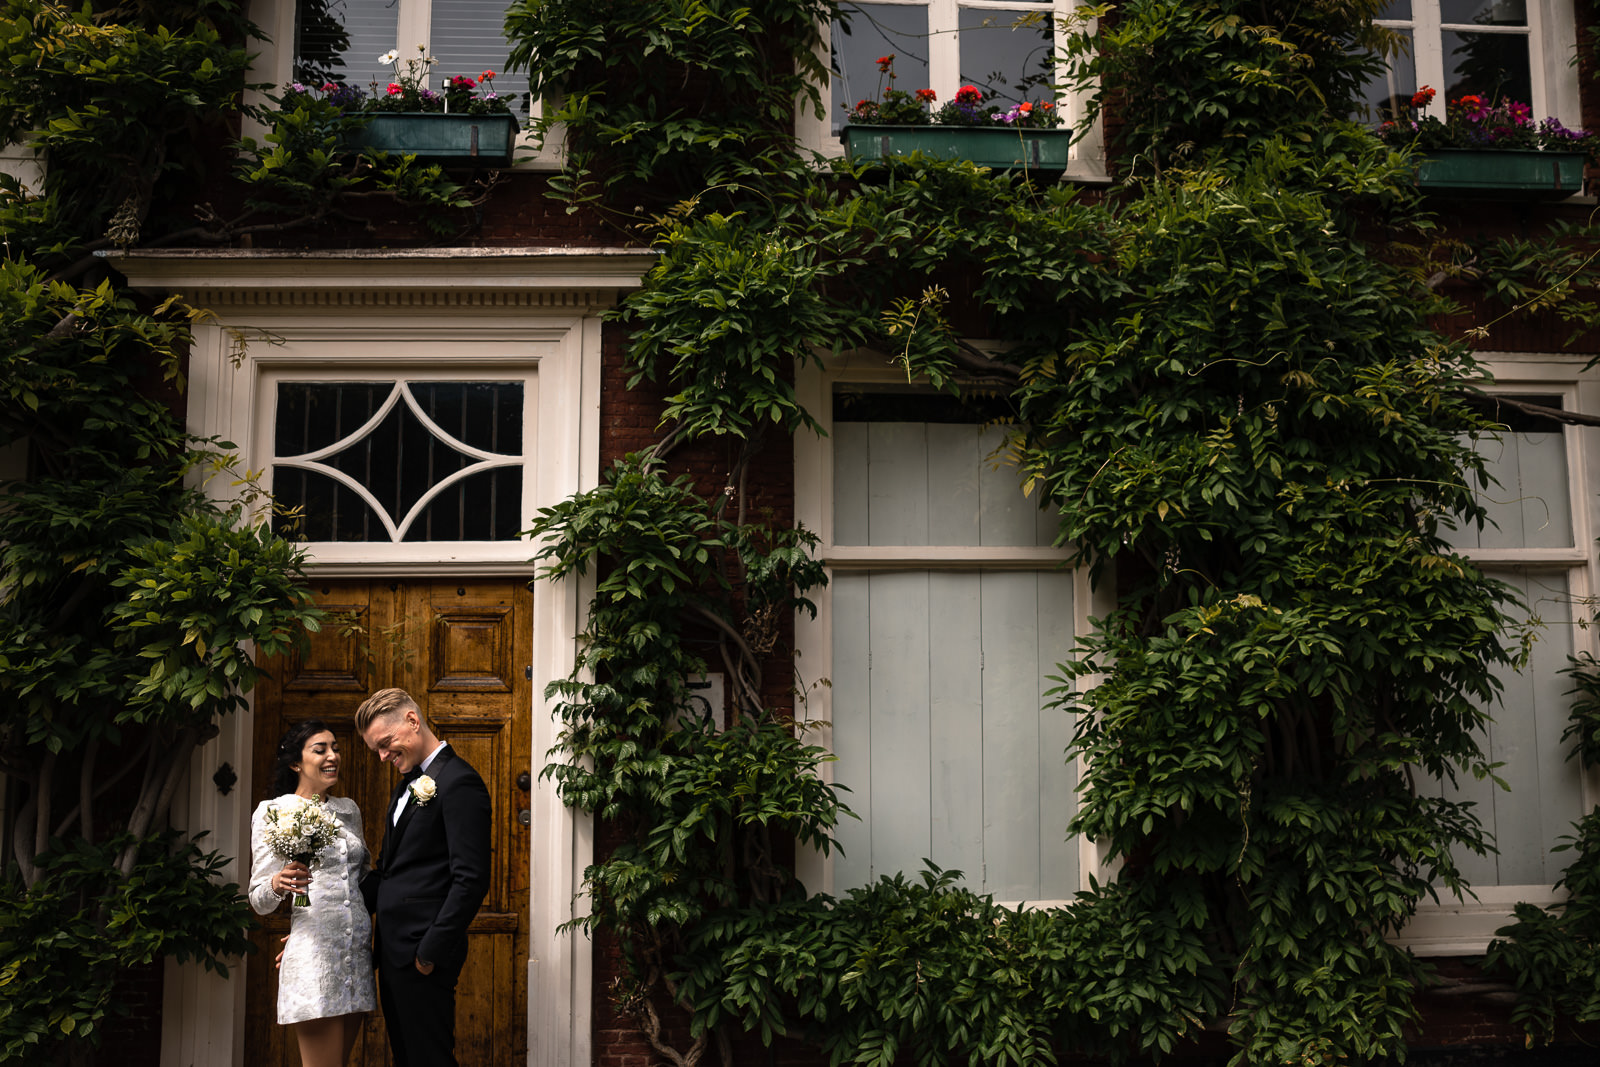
x=534, y=308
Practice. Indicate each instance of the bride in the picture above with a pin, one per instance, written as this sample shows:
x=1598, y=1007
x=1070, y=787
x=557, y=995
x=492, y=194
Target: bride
x=325, y=985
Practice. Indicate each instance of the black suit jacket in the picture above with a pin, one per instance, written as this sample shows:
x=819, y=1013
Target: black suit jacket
x=433, y=872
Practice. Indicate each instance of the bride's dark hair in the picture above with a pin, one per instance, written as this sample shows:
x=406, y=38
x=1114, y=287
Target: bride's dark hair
x=293, y=743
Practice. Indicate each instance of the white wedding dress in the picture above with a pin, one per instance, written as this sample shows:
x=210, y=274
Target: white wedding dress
x=327, y=963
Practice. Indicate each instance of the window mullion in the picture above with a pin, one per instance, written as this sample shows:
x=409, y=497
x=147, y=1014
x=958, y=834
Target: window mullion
x=1541, y=103
x=944, y=48
x=415, y=27
x=1429, y=44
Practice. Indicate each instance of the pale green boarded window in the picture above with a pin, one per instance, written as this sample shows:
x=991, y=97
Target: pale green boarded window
x=940, y=672
x=1531, y=504
x=1546, y=793
x=1531, y=514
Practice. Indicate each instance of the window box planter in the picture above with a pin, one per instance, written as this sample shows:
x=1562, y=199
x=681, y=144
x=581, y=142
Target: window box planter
x=1500, y=174
x=985, y=146
x=453, y=140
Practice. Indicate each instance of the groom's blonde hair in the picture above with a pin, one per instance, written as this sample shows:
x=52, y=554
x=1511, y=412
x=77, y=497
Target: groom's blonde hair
x=386, y=702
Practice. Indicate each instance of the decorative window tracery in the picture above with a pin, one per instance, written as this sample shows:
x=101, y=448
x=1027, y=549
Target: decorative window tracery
x=400, y=461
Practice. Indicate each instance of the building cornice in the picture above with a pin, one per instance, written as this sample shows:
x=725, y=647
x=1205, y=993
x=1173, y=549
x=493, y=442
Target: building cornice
x=400, y=278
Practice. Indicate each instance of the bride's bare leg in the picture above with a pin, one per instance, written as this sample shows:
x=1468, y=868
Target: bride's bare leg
x=322, y=1042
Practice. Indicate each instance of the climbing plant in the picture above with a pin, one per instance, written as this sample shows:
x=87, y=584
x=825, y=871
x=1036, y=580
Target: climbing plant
x=1231, y=391
x=137, y=572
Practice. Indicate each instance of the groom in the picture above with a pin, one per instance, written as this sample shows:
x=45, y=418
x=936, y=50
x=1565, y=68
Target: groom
x=428, y=882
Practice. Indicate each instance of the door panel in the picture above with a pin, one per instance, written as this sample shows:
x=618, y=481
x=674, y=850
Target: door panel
x=459, y=647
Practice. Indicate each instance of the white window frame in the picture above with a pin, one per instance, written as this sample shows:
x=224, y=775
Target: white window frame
x=274, y=64
x=409, y=359
x=814, y=387
x=1465, y=927
x=1552, y=44
x=1086, y=158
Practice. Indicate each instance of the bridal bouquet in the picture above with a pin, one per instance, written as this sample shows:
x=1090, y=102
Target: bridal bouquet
x=299, y=828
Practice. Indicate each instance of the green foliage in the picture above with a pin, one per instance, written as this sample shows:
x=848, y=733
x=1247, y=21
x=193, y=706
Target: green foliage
x=133, y=602
x=118, y=105
x=1238, y=405
x=672, y=97
x=306, y=172
x=65, y=944
x=1222, y=76
x=701, y=803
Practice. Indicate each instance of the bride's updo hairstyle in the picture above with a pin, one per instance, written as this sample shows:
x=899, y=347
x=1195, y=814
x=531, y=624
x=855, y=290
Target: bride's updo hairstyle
x=293, y=743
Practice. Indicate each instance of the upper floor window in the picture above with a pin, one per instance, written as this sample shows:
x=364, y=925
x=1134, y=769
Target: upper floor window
x=1533, y=542
x=1497, y=49
x=1007, y=48
x=342, y=40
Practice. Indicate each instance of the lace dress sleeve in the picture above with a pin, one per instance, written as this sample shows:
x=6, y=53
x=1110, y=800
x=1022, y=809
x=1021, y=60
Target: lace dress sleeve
x=264, y=863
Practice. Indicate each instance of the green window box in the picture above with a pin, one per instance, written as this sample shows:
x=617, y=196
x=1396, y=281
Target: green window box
x=1502, y=174
x=453, y=140
x=983, y=145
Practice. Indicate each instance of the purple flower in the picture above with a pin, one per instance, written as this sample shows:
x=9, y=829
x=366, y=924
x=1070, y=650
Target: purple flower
x=345, y=96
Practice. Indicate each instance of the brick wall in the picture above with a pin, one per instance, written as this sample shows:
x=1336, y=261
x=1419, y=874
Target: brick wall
x=135, y=1040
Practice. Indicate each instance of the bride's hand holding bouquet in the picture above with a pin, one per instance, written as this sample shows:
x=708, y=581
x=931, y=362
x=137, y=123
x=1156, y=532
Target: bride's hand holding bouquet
x=298, y=828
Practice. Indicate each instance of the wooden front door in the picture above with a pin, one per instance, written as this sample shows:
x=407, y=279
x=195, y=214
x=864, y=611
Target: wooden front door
x=461, y=648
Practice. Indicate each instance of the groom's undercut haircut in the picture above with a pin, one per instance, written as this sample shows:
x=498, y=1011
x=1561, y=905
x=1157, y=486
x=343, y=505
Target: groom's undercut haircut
x=386, y=702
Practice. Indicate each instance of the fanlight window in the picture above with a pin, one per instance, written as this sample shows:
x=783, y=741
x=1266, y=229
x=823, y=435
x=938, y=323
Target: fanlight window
x=400, y=461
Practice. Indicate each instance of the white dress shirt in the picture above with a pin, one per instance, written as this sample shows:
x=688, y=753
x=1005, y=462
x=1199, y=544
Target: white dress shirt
x=405, y=794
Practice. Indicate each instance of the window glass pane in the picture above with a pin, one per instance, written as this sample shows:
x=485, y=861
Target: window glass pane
x=939, y=682
x=419, y=461
x=1491, y=65
x=1484, y=12
x=1391, y=94
x=1531, y=506
x=876, y=30
x=468, y=39
x=1008, y=52
x=484, y=415
x=328, y=511
x=486, y=506
x=312, y=416
x=1396, y=9
x=341, y=40
x=1525, y=738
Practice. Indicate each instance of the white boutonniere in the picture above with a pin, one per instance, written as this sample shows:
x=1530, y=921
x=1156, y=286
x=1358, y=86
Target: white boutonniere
x=423, y=789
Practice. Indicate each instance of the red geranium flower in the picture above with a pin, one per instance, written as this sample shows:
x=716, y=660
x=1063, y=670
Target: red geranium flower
x=926, y=96
x=1423, y=97
x=487, y=76
x=968, y=94
x=461, y=81
x=394, y=89
x=885, y=62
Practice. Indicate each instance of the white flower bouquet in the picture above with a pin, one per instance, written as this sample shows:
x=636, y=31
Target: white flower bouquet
x=299, y=828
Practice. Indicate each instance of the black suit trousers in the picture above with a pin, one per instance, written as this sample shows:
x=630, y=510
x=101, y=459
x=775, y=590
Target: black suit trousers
x=420, y=1013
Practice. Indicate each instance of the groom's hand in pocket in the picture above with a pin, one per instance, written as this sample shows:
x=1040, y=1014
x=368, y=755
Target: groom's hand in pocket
x=423, y=967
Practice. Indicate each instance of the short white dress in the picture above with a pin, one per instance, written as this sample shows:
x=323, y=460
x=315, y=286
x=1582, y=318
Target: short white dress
x=327, y=963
